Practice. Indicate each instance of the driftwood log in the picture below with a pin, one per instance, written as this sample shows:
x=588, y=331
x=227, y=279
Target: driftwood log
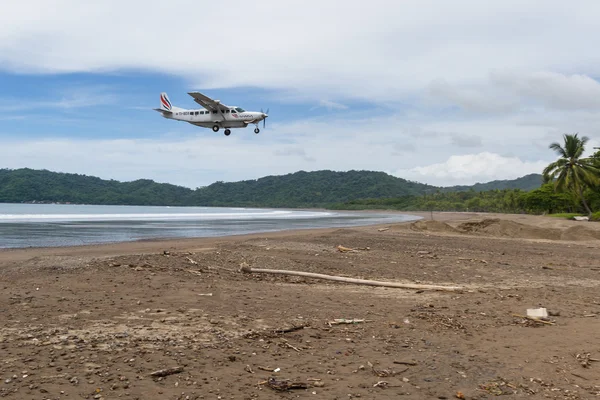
x=247, y=269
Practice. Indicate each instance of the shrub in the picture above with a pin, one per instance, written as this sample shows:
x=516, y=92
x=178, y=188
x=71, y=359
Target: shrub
x=595, y=216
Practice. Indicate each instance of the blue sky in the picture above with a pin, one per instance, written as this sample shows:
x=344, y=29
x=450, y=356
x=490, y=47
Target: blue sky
x=433, y=92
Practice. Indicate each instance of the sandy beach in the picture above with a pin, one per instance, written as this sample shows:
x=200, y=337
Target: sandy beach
x=95, y=322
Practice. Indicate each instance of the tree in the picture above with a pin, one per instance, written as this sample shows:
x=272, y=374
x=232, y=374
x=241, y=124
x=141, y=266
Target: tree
x=571, y=171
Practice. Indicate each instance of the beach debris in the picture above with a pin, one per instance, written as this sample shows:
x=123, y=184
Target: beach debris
x=382, y=384
x=245, y=268
x=285, y=384
x=290, y=329
x=460, y=395
x=285, y=343
x=498, y=388
x=384, y=373
x=269, y=369
x=343, y=249
x=581, y=218
x=248, y=368
x=166, y=253
x=191, y=271
x=166, y=372
x=585, y=359
x=472, y=260
x=411, y=363
x=383, y=229
x=191, y=261
x=205, y=294
x=537, y=312
x=534, y=319
x=340, y=321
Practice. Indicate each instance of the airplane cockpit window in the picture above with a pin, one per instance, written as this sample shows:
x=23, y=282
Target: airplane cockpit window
x=239, y=109
x=227, y=111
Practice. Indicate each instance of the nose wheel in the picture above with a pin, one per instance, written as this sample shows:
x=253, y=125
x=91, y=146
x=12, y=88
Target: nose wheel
x=227, y=132
x=256, y=130
x=215, y=128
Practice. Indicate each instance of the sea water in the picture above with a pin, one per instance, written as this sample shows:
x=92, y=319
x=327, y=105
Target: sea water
x=49, y=225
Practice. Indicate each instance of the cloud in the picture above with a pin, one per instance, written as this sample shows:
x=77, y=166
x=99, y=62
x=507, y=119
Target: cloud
x=378, y=51
x=466, y=140
x=472, y=168
x=510, y=92
x=65, y=99
x=330, y=105
x=553, y=90
x=293, y=152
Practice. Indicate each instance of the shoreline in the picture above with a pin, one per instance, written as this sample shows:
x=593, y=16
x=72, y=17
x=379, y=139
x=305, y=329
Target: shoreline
x=144, y=246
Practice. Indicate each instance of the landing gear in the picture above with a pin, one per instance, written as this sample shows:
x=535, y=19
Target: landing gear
x=227, y=132
x=215, y=128
x=256, y=130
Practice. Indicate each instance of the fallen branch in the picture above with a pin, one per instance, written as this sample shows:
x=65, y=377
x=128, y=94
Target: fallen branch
x=291, y=347
x=291, y=329
x=413, y=363
x=248, y=270
x=339, y=321
x=343, y=249
x=166, y=372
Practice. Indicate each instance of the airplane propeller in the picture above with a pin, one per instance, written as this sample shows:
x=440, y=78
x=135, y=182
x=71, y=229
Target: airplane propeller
x=265, y=117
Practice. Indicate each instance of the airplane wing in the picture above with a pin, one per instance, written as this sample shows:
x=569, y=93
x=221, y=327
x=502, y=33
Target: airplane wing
x=206, y=101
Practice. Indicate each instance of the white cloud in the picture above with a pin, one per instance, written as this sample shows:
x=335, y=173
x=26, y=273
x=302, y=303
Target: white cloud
x=472, y=168
x=379, y=50
x=553, y=90
x=330, y=105
x=67, y=98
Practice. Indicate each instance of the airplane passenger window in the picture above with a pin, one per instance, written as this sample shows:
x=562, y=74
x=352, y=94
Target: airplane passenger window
x=197, y=112
x=214, y=111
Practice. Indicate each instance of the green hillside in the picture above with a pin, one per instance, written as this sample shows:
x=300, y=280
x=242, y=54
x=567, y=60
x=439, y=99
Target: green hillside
x=300, y=189
x=527, y=182
x=27, y=185
x=307, y=189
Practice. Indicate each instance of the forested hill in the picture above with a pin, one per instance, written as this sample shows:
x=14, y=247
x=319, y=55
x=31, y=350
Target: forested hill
x=527, y=182
x=300, y=189
x=308, y=189
x=27, y=185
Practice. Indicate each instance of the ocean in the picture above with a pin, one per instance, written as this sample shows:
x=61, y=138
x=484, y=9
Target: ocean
x=52, y=225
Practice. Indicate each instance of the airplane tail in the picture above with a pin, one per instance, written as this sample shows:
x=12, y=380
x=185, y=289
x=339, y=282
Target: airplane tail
x=165, y=103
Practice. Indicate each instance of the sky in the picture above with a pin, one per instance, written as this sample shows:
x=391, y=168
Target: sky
x=438, y=92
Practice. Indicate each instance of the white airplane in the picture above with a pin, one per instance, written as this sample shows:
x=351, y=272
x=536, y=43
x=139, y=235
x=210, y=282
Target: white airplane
x=215, y=114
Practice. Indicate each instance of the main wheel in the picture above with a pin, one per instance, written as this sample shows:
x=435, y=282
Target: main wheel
x=227, y=132
x=215, y=128
x=256, y=130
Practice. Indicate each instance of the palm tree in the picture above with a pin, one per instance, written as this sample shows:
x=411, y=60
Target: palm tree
x=571, y=171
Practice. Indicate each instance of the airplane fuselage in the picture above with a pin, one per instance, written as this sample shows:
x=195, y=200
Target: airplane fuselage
x=227, y=118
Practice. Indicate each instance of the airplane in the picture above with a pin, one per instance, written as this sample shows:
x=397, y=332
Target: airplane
x=215, y=114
